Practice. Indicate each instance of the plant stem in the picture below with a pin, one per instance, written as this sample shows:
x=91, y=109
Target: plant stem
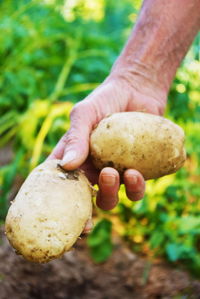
x=79, y=88
x=73, y=51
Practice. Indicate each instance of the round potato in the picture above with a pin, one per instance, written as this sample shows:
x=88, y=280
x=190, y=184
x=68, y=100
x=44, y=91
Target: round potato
x=49, y=212
x=148, y=143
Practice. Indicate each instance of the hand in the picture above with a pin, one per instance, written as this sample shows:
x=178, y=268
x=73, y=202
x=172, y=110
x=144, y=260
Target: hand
x=115, y=94
x=139, y=81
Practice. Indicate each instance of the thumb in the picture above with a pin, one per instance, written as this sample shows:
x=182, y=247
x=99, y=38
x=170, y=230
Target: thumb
x=73, y=147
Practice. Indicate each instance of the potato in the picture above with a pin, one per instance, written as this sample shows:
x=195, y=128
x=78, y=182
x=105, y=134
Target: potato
x=148, y=143
x=52, y=207
x=49, y=212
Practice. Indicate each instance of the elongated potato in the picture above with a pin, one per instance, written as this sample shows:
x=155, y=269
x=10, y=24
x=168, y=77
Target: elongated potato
x=148, y=143
x=49, y=212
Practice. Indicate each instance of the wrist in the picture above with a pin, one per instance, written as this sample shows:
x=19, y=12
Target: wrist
x=158, y=43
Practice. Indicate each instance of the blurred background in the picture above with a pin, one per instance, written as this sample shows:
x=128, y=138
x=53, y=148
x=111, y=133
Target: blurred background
x=53, y=53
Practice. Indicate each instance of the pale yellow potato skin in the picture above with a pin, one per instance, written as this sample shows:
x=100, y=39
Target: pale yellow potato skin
x=49, y=212
x=151, y=144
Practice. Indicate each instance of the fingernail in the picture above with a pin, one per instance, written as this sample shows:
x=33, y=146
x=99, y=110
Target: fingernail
x=68, y=157
x=108, y=180
x=133, y=180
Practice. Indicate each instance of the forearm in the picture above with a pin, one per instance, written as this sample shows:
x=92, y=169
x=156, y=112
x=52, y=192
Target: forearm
x=159, y=41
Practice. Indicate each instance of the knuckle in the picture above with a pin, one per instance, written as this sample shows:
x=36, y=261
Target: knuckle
x=83, y=113
x=75, y=110
x=79, y=109
x=160, y=106
x=161, y=109
x=70, y=137
x=156, y=108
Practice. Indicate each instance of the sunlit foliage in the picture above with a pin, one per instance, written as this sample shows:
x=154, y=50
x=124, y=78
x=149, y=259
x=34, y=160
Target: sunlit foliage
x=53, y=53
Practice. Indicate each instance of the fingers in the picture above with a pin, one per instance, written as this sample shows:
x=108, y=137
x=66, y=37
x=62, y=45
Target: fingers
x=88, y=226
x=73, y=147
x=91, y=172
x=109, y=182
x=135, y=184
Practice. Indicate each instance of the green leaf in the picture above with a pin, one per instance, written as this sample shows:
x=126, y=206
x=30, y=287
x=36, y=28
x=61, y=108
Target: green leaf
x=8, y=179
x=189, y=223
x=172, y=251
x=156, y=239
x=100, y=242
x=176, y=251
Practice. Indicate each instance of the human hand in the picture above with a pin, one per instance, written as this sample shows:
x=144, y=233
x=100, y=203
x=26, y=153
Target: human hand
x=139, y=81
x=115, y=94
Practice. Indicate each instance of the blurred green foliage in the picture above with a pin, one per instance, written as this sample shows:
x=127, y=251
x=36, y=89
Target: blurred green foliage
x=52, y=54
x=100, y=242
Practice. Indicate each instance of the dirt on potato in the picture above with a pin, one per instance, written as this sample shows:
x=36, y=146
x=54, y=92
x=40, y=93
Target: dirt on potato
x=125, y=275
